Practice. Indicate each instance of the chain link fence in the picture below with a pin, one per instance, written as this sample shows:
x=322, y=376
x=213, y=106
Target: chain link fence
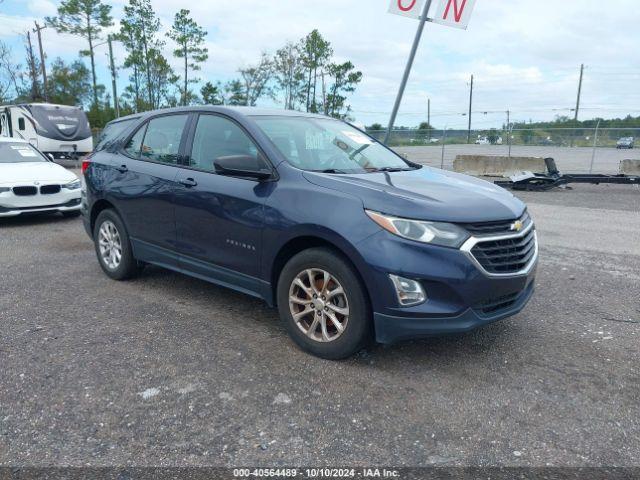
x=575, y=149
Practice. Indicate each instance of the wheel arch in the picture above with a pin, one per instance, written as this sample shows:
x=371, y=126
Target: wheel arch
x=98, y=207
x=300, y=243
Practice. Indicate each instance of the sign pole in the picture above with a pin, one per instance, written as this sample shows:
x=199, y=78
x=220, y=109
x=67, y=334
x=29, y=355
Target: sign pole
x=407, y=70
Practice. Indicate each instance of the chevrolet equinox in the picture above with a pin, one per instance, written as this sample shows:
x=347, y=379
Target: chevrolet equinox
x=349, y=240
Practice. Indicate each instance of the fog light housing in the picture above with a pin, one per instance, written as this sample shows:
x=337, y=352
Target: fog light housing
x=409, y=292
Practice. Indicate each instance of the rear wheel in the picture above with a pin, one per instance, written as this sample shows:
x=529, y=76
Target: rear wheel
x=113, y=247
x=324, y=305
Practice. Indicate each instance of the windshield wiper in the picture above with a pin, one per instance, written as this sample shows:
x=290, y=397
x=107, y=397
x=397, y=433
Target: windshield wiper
x=391, y=169
x=331, y=170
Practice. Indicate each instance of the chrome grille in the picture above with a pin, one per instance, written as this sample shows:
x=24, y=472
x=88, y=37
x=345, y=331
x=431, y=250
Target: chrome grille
x=507, y=255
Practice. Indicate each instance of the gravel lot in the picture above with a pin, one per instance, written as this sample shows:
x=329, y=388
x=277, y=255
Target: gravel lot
x=169, y=370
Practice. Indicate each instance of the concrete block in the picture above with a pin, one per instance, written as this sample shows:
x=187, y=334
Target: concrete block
x=630, y=167
x=497, y=166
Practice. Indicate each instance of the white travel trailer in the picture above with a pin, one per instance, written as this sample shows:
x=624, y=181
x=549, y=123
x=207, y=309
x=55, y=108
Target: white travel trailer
x=59, y=130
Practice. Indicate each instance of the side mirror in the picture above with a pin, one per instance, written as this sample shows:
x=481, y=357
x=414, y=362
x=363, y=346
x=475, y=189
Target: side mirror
x=245, y=166
x=50, y=156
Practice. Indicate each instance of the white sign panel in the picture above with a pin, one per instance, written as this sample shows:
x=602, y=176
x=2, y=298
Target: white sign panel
x=407, y=8
x=454, y=13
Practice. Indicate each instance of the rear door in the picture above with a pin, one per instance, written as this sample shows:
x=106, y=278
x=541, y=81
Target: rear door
x=219, y=218
x=144, y=186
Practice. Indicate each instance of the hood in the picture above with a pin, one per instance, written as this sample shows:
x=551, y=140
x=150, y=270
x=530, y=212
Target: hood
x=427, y=194
x=42, y=172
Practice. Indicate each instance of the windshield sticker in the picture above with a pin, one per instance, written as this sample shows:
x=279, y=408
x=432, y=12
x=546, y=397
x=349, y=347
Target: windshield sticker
x=314, y=141
x=357, y=138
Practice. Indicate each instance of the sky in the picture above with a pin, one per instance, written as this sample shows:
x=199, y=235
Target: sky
x=525, y=55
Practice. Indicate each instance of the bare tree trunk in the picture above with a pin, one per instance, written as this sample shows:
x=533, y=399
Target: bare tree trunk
x=148, y=66
x=186, y=71
x=93, y=63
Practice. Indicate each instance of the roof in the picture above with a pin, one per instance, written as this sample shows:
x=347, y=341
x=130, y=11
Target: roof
x=247, y=111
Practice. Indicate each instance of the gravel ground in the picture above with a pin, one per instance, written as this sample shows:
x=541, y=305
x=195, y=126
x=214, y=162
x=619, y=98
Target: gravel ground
x=169, y=370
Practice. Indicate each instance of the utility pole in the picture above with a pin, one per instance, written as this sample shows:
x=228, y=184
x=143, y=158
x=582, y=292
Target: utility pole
x=407, y=70
x=509, y=131
x=116, y=103
x=429, y=118
x=470, y=106
x=579, y=92
x=42, y=64
x=32, y=69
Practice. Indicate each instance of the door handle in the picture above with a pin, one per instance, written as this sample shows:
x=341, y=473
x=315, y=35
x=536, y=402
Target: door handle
x=123, y=169
x=188, y=182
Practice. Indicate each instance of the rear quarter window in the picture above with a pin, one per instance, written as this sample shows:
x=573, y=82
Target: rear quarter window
x=112, y=132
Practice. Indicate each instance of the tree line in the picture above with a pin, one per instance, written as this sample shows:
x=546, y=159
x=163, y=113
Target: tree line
x=302, y=75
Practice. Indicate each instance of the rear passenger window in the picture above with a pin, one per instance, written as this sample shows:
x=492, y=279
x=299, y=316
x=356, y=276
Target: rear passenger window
x=162, y=140
x=135, y=144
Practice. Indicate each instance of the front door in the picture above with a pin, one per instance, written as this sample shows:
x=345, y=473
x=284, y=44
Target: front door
x=219, y=219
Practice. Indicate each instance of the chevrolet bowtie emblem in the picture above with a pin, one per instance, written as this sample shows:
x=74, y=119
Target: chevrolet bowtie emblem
x=516, y=226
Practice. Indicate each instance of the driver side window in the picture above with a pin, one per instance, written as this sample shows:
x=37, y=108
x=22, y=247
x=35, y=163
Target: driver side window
x=217, y=137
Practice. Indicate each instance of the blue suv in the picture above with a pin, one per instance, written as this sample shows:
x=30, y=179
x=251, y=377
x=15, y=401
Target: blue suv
x=349, y=240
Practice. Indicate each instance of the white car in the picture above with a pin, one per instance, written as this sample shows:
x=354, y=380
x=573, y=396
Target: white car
x=30, y=182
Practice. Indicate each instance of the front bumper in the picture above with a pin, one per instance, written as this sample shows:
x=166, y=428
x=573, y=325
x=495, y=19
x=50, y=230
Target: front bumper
x=391, y=329
x=70, y=206
x=460, y=295
x=12, y=205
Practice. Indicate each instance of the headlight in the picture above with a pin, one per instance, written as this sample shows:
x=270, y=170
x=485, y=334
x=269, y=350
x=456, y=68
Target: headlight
x=435, y=233
x=5, y=189
x=75, y=185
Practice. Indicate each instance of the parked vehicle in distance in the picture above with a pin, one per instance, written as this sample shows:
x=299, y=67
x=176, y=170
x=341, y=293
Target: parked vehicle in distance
x=30, y=182
x=57, y=130
x=349, y=240
x=626, y=142
x=488, y=140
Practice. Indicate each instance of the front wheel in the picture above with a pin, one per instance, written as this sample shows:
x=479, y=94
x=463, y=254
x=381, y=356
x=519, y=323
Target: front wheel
x=113, y=247
x=324, y=305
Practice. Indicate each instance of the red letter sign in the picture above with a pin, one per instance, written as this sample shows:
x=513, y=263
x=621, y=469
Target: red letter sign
x=454, y=13
x=407, y=8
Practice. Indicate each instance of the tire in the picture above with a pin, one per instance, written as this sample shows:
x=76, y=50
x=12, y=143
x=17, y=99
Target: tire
x=127, y=267
x=329, y=342
x=72, y=214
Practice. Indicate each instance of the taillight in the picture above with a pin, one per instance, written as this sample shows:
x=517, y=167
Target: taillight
x=86, y=161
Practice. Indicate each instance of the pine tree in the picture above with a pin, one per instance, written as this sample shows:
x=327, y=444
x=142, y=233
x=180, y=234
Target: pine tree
x=138, y=32
x=86, y=19
x=189, y=38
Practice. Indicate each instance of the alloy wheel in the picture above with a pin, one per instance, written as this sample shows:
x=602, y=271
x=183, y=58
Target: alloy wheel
x=319, y=305
x=110, y=245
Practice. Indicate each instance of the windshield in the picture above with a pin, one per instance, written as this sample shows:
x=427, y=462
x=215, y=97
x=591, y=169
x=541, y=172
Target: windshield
x=326, y=145
x=112, y=132
x=15, y=152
